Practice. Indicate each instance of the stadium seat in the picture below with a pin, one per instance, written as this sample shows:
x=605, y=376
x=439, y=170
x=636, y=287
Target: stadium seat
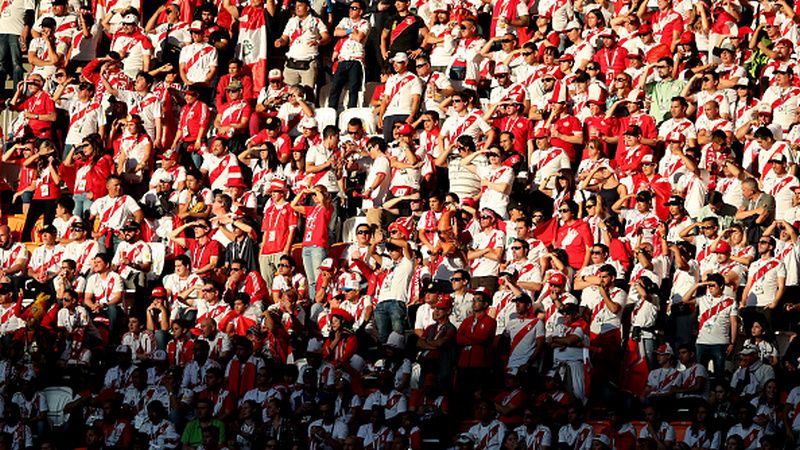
x=366, y=116
x=680, y=429
x=349, y=228
x=31, y=246
x=158, y=251
x=325, y=117
x=599, y=425
x=57, y=398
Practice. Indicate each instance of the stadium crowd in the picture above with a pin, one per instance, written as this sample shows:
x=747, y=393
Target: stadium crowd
x=403, y=224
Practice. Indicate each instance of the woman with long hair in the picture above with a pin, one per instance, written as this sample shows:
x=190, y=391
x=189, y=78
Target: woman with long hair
x=341, y=344
x=644, y=316
x=264, y=165
x=295, y=170
x=346, y=404
x=46, y=187
x=768, y=406
x=701, y=433
x=133, y=153
x=759, y=338
x=565, y=189
x=18, y=154
x=316, y=236
x=573, y=235
x=92, y=167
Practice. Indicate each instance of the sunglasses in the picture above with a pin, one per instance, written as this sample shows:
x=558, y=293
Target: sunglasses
x=457, y=100
x=620, y=79
x=648, y=164
x=235, y=269
x=420, y=65
x=487, y=217
x=662, y=67
x=283, y=266
x=527, y=53
x=500, y=75
x=564, y=210
x=590, y=205
x=507, y=41
x=363, y=233
x=208, y=289
x=456, y=279
x=516, y=248
x=592, y=68
x=596, y=252
x=355, y=8
x=538, y=216
x=765, y=242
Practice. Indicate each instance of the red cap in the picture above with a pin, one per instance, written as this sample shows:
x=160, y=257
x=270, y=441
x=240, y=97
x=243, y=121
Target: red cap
x=445, y=302
x=159, y=292
x=472, y=203
x=300, y=145
x=405, y=130
x=557, y=279
x=722, y=247
x=675, y=136
x=645, y=29
x=686, y=37
x=236, y=182
x=344, y=315
x=402, y=229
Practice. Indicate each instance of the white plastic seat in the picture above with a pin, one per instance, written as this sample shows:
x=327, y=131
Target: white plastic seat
x=57, y=398
x=159, y=251
x=325, y=117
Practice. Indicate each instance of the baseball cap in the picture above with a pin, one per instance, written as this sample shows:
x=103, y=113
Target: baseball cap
x=500, y=68
x=675, y=200
x=307, y=123
x=445, y=302
x=236, y=182
x=647, y=159
x=557, y=278
x=198, y=26
x=277, y=184
x=159, y=292
x=50, y=229
x=166, y=178
x=664, y=349
x=235, y=85
x=130, y=19
x=399, y=57
x=326, y=264
x=572, y=25
x=674, y=136
x=722, y=247
x=645, y=28
x=170, y=154
x=405, y=130
x=275, y=74
x=778, y=159
x=130, y=225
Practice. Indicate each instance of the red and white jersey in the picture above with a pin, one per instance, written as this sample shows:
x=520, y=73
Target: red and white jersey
x=526, y=333
x=47, y=260
x=133, y=48
x=539, y=437
x=665, y=433
x=751, y=436
x=350, y=48
x=483, y=266
x=714, y=326
x=82, y=253
x=9, y=319
x=582, y=51
x=782, y=189
x=178, y=173
x=373, y=439
x=104, y=289
x=198, y=60
x=114, y=212
x=576, y=439
x=661, y=380
x=764, y=274
x=41, y=49
x=189, y=198
x=603, y=320
x=399, y=92
x=704, y=97
x=137, y=253
x=232, y=113
x=301, y=33
x=84, y=119
x=66, y=25
x=470, y=124
x=217, y=311
x=147, y=106
x=779, y=148
x=489, y=436
x=142, y=345
x=221, y=169
x=711, y=125
x=176, y=34
x=15, y=254
x=683, y=126
x=358, y=309
x=175, y=285
x=394, y=403
x=783, y=103
x=544, y=163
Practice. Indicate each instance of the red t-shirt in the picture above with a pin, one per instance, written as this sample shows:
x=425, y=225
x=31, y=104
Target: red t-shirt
x=597, y=126
x=567, y=125
x=40, y=104
x=193, y=117
x=46, y=187
x=201, y=253
x=574, y=239
x=520, y=127
x=316, y=232
x=276, y=224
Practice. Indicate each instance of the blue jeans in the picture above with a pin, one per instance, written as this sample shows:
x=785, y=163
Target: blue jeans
x=82, y=204
x=10, y=53
x=312, y=258
x=649, y=345
x=713, y=352
x=349, y=72
x=390, y=315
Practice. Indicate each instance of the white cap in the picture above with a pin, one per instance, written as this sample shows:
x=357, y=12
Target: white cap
x=602, y=438
x=130, y=18
x=396, y=340
x=166, y=178
x=500, y=68
x=307, y=123
x=399, y=57
x=122, y=348
x=275, y=74
x=572, y=24
x=635, y=95
x=350, y=281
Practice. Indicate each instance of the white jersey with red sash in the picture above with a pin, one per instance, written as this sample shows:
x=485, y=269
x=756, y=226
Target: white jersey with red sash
x=661, y=380
x=400, y=88
x=714, y=322
x=539, y=437
x=783, y=103
x=576, y=439
x=483, y=266
x=751, y=436
x=764, y=280
x=104, y=289
x=221, y=169
x=137, y=253
x=489, y=436
x=47, y=260
x=231, y=115
x=603, y=320
x=198, y=59
x=82, y=253
x=84, y=119
x=470, y=124
x=777, y=150
x=526, y=333
x=16, y=253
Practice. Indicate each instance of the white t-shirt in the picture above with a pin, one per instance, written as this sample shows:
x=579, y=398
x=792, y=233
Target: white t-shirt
x=715, y=321
x=496, y=200
x=197, y=71
x=102, y=289
x=395, y=284
x=399, y=91
x=378, y=196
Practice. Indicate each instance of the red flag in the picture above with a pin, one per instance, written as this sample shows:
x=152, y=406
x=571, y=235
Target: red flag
x=634, y=369
x=546, y=231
